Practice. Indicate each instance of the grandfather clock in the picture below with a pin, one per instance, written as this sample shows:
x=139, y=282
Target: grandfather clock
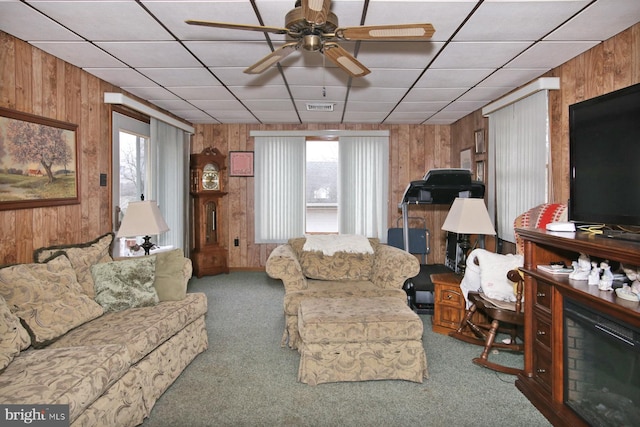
x=208, y=254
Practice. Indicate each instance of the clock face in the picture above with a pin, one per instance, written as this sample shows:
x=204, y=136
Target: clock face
x=210, y=180
x=211, y=177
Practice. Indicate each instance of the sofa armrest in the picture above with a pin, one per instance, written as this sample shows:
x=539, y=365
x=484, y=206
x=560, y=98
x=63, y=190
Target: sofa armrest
x=393, y=266
x=284, y=265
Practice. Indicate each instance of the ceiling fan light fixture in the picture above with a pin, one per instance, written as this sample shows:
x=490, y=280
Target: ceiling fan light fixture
x=312, y=43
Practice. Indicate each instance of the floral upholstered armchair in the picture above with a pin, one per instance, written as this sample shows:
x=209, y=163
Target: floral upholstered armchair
x=374, y=270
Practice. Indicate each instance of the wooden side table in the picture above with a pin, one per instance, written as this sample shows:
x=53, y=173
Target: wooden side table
x=449, y=303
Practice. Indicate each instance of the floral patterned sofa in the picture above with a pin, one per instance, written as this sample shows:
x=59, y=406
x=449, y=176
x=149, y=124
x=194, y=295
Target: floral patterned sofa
x=378, y=272
x=105, y=337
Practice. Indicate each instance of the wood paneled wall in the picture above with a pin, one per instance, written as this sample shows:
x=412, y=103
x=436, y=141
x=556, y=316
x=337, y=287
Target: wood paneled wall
x=35, y=82
x=412, y=149
x=38, y=83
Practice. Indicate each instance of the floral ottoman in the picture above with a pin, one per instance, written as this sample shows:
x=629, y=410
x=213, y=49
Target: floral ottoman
x=359, y=339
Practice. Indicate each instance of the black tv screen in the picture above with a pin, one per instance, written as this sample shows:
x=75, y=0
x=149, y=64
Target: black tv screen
x=604, y=157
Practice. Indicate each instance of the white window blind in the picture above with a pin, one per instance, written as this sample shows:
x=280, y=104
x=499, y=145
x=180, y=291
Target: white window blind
x=518, y=146
x=170, y=163
x=279, y=188
x=363, y=185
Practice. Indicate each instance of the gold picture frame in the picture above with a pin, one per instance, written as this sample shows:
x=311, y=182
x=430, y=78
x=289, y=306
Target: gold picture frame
x=39, y=162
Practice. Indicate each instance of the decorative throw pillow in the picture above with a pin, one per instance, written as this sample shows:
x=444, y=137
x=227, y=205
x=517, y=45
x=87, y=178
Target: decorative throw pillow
x=171, y=282
x=493, y=274
x=125, y=284
x=82, y=257
x=47, y=297
x=13, y=337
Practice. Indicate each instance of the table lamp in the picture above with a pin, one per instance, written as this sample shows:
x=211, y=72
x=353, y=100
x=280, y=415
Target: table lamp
x=468, y=216
x=142, y=219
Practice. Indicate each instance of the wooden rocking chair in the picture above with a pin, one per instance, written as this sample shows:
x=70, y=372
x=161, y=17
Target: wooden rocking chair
x=503, y=317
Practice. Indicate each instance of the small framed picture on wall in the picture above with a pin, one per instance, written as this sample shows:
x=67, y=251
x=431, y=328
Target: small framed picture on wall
x=479, y=139
x=480, y=170
x=465, y=159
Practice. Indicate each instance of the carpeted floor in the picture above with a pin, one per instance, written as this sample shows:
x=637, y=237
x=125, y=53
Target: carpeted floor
x=246, y=379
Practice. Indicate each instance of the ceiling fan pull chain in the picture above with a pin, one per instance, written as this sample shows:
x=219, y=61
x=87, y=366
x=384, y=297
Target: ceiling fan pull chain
x=324, y=88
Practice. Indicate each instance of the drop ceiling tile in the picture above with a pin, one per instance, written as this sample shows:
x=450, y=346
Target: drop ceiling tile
x=388, y=77
x=433, y=94
x=465, y=106
x=174, y=13
x=368, y=117
x=121, y=77
x=164, y=54
x=154, y=92
x=179, y=76
x=405, y=117
x=202, y=93
x=219, y=105
x=25, y=23
x=512, y=77
x=420, y=107
x=445, y=16
x=318, y=93
x=195, y=116
x=260, y=92
x=374, y=94
x=242, y=53
x=276, y=117
x=81, y=54
x=479, y=54
x=104, y=20
x=371, y=107
x=549, y=54
x=234, y=76
x=452, y=78
x=172, y=104
x=390, y=54
x=600, y=21
x=315, y=76
x=512, y=21
x=267, y=104
x=235, y=117
x=485, y=94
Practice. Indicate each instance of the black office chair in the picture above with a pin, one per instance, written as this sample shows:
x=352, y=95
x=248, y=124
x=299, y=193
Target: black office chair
x=420, y=288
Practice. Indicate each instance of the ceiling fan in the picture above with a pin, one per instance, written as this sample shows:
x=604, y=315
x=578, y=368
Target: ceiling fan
x=315, y=28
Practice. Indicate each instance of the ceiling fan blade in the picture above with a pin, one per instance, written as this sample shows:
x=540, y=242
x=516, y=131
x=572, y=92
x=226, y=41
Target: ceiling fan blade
x=315, y=11
x=387, y=32
x=275, y=56
x=344, y=60
x=274, y=30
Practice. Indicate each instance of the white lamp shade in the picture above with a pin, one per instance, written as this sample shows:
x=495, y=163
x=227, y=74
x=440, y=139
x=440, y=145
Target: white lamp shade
x=142, y=219
x=468, y=216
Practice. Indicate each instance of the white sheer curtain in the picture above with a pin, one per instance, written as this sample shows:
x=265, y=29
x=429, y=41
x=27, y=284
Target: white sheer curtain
x=363, y=185
x=518, y=152
x=170, y=163
x=279, y=188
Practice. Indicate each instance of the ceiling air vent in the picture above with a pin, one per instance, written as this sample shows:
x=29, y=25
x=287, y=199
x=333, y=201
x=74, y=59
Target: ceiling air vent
x=320, y=106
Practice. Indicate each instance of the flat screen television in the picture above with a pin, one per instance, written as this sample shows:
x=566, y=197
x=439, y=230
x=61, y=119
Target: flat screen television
x=604, y=157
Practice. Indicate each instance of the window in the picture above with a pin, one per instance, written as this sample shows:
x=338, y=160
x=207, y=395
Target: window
x=287, y=205
x=130, y=151
x=321, y=186
x=519, y=140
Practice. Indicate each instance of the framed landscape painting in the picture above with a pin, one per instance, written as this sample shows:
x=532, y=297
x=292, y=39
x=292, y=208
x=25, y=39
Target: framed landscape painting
x=38, y=161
